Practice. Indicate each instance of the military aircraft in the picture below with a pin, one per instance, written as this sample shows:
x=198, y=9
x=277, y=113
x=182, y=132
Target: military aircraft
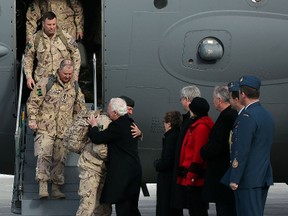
x=149, y=50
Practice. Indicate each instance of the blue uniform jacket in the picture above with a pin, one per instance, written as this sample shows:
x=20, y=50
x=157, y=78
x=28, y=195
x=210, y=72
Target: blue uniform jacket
x=252, y=138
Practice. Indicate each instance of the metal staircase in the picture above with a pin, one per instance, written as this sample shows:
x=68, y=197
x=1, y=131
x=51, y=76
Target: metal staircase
x=25, y=199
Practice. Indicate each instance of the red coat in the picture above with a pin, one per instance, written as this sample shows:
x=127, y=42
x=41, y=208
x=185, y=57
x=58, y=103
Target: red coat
x=191, y=165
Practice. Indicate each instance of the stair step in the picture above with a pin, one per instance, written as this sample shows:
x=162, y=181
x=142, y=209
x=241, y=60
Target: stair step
x=64, y=207
x=31, y=204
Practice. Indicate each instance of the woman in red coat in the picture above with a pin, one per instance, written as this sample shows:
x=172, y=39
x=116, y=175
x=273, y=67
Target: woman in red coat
x=191, y=165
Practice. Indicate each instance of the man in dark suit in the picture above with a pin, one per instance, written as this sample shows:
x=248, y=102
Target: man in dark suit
x=250, y=173
x=217, y=154
x=123, y=179
x=179, y=192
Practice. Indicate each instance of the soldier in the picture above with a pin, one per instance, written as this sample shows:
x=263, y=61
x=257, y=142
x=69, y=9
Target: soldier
x=91, y=164
x=234, y=88
x=51, y=108
x=69, y=14
x=250, y=173
x=136, y=132
x=49, y=46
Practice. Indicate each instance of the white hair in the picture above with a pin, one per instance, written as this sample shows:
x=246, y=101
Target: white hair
x=190, y=92
x=118, y=105
x=222, y=92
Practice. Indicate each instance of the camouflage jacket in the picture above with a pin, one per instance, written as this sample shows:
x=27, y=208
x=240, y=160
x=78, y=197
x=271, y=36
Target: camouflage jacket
x=92, y=157
x=49, y=54
x=53, y=111
x=69, y=15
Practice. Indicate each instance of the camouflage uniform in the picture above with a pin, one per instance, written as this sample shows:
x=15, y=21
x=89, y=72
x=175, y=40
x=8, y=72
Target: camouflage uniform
x=69, y=15
x=49, y=53
x=91, y=163
x=53, y=111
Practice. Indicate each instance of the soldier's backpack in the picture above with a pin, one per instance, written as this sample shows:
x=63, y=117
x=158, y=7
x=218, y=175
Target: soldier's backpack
x=76, y=137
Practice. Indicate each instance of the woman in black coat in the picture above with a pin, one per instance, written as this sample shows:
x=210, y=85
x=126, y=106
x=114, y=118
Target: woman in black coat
x=123, y=179
x=164, y=166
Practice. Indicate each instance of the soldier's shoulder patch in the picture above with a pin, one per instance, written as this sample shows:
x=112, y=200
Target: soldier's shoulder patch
x=39, y=92
x=235, y=163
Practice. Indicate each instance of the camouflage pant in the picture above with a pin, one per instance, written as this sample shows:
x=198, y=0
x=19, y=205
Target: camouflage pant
x=90, y=191
x=51, y=158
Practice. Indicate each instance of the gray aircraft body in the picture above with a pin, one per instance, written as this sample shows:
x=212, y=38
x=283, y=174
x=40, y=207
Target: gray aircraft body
x=149, y=50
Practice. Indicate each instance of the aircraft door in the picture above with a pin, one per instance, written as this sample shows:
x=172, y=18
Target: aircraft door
x=7, y=85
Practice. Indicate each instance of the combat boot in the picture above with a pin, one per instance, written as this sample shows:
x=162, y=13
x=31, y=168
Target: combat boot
x=43, y=190
x=56, y=193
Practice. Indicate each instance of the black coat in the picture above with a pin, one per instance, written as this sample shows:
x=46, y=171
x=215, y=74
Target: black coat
x=179, y=192
x=217, y=154
x=124, y=171
x=164, y=166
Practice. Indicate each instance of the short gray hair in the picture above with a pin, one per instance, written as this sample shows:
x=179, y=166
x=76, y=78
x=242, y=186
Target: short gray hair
x=222, y=92
x=190, y=92
x=66, y=63
x=118, y=105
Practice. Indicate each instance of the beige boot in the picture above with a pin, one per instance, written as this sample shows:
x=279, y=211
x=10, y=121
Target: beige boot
x=56, y=193
x=43, y=190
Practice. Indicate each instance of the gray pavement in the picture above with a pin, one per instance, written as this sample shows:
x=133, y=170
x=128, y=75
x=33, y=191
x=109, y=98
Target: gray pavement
x=277, y=202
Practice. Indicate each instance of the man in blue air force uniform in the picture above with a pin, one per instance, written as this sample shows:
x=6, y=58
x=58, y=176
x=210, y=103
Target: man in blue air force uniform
x=250, y=172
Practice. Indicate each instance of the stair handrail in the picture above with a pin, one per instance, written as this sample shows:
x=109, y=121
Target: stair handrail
x=95, y=106
x=19, y=96
x=19, y=150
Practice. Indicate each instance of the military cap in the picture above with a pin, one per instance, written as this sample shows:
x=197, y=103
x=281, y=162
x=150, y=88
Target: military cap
x=233, y=86
x=250, y=81
x=199, y=106
x=128, y=101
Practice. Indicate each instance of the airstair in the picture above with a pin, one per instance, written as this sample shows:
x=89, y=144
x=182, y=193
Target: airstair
x=25, y=200
x=30, y=203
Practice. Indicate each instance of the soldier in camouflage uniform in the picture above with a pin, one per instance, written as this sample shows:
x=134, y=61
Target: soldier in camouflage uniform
x=91, y=163
x=69, y=14
x=50, y=114
x=49, y=46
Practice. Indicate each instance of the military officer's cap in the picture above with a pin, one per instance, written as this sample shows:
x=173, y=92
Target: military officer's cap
x=250, y=81
x=233, y=86
x=128, y=101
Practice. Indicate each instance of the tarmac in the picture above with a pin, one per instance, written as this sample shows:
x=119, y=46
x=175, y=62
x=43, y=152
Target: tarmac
x=277, y=201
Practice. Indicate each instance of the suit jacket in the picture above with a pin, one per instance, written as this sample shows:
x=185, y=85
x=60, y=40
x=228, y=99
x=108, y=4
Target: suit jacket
x=217, y=154
x=124, y=172
x=252, y=138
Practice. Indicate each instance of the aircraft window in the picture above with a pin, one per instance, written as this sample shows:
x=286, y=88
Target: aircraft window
x=160, y=4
